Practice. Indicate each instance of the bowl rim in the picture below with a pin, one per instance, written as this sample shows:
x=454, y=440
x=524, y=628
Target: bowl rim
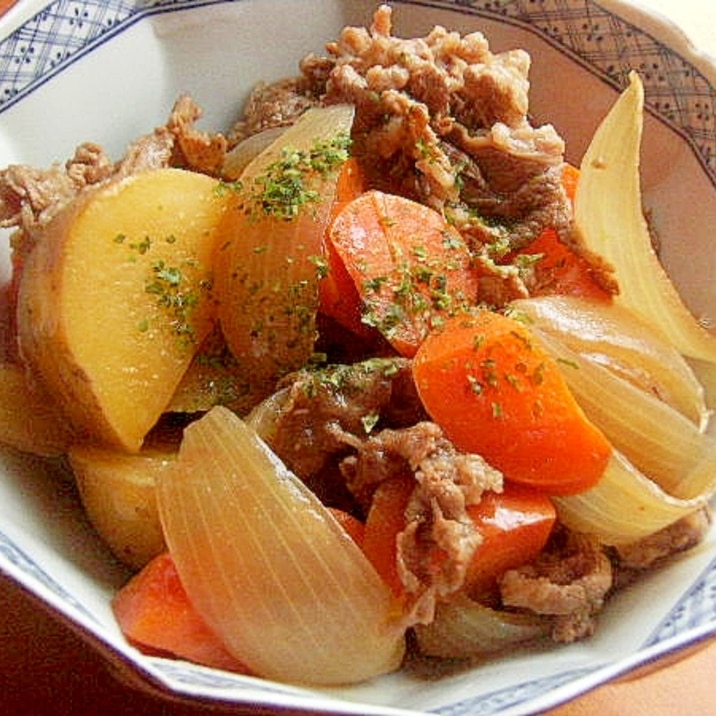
x=655, y=28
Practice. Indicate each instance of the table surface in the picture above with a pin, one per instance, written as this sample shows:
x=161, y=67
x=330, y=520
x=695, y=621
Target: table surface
x=47, y=670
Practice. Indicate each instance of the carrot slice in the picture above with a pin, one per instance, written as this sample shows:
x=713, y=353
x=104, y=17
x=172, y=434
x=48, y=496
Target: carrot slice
x=155, y=614
x=560, y=270
x=352, y=525
x=411, y=269
x=386, y=519
x=338, y=295
x=515, y=526
x=570, y=179
x=495, y=392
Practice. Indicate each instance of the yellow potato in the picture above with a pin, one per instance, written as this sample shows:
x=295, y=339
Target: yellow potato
x=118, y=494
x=30, y=420
x=114, y=300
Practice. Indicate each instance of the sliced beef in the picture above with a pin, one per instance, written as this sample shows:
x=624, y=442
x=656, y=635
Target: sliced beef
x=278, y=104
x=440, y=538
x=568, y=582
x=194, y=149
x=509, y=201
x=30, y=197
x=677, y=537
x=322, y=406
x=446, y=121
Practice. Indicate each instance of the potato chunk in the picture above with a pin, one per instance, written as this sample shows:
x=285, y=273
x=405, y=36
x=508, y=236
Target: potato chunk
x=118, y=492
x=30, y=421
x=115, y=299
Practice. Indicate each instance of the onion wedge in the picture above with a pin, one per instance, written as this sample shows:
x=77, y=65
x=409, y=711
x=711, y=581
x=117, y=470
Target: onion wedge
x=625, y=506
x=465, y=629
x=267, y=274
x=611, y=335
x=656, y=439
x=268, y=567
x=609, y=217
x=245, y=151
x=663, y=467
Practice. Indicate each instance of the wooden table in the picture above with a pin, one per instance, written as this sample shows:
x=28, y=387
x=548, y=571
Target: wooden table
x=47, y=670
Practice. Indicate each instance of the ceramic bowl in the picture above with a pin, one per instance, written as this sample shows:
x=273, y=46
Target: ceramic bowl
x=110, y=71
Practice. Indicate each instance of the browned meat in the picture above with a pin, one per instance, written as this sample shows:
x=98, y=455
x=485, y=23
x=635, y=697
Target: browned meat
x=524, y=196
x=438, y=110
x=568, y=583
x=90, y=165
x=152, y=151
x=274, y=105
x=682, y=535
x=178, y=143
x=29, y=197
x=196, y=150
x=323, y=406
x=440, y=537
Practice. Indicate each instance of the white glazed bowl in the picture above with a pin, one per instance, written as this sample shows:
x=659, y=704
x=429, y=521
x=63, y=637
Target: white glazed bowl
x=109, y=72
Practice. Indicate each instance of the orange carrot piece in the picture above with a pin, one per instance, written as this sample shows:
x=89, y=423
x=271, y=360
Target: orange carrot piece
x=412, y=269
x=155, y=614
x=495, y=392
x=570, y=179
x=352, y=525
x=338, y=296
x=561, y=271
x=515, y=526
x=386, y=519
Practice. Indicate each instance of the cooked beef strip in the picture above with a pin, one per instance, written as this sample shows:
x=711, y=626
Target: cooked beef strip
x=322, y=405
x=568, y=582
x=441, y=108
x=435, y=548
x=677, y=537
x=278, y=104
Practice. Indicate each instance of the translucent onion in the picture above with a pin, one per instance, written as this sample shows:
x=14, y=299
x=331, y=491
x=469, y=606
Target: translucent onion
x=706, y=373
x=608, y=213
x=657, y=439
x=265, y=416
x=625, y=506
x=611, y=335
x=268, y=567
x=245, y=151
x=267, y=274
x=465, y=629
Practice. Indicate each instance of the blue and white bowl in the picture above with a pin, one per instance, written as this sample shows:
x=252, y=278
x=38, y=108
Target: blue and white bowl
x=109, y=71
